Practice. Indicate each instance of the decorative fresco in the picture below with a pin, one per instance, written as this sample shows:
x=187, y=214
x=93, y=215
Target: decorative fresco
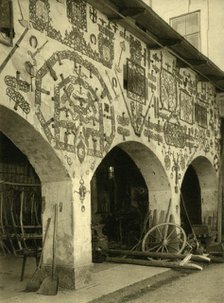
x=136, y=110
x=93, y=14
x=168, y=93
x=79, y=116
x=186, y=107
x=186, y=119
x=136, y=89
x=174, y=134
x=153, y=131
x=201, y=115
x=76, y=12
x=82, y=191
x=39, y=14
x=106, y=50
x=175, y=170
x=15, y=87
x=135, y=50
x=79, y=86
x=76, y=36
x=122, y=130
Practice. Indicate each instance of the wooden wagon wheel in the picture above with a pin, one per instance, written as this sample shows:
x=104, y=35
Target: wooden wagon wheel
x=165, y=237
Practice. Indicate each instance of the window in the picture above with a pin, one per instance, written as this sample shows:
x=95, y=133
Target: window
x=6, y=27
x=188, y=26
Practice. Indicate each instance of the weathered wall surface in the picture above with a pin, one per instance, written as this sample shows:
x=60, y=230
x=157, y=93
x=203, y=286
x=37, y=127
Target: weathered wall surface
x=85, y=85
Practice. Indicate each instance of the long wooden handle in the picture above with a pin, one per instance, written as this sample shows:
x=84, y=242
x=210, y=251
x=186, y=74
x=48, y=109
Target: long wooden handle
x=44, y=241
x=54, y=239
x=2, y=66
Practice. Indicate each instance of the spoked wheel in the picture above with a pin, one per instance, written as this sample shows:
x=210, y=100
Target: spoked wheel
x=165, y=238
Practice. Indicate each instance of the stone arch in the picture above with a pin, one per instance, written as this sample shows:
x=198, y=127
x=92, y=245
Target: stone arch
x=31, y=143
x=141, y=170
x=152, y=171
x=56, y=185
x=208, y=186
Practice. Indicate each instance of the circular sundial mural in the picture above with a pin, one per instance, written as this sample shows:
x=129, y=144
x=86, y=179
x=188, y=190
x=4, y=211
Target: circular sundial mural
x=73, y=105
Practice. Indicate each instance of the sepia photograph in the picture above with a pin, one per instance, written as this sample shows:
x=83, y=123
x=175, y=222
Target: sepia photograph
x=111, y=151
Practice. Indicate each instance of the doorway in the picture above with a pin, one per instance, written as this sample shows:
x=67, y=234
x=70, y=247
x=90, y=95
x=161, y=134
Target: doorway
x=190, y=208
x=119, y=198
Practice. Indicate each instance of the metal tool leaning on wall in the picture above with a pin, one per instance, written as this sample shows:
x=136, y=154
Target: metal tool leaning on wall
x=49, y=285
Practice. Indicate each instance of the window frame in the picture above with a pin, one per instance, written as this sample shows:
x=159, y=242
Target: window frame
x=198, y=12
x=9, y=30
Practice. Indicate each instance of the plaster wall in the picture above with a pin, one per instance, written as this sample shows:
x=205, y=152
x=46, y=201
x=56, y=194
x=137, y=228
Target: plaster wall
x=85, y=85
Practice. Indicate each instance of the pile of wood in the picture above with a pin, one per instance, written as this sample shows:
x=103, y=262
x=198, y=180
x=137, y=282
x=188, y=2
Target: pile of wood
x=169, y=260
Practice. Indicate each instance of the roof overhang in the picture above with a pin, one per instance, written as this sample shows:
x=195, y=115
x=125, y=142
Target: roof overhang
x=144, y=23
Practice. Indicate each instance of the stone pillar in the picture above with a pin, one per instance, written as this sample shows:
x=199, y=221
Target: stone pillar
x=82, y=231
x=59, y=193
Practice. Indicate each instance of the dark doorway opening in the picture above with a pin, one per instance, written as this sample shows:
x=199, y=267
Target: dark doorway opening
x=119, y=202
x=20, y=201
x=190, y=200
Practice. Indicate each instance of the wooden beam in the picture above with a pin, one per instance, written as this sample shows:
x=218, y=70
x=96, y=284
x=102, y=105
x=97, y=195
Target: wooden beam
x=215, y=78
x=170, y=42
x=155, y=263
x=133, y=12
x=120, y=252
x=197, y=62
x=181, y=64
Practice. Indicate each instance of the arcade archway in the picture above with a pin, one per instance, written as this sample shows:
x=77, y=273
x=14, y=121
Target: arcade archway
x=56, y=185
x=190, y=200
x=128, y=183
x=199, y=194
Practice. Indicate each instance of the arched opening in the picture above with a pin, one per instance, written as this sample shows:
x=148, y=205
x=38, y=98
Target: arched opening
x=122, y=199
x=56, y=187
x=200, y=195
x=190, y=200
x=32, y=144
x=20, y=201
x=129, y=182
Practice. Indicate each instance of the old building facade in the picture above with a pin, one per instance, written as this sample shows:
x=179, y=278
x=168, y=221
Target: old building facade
x=85, y=98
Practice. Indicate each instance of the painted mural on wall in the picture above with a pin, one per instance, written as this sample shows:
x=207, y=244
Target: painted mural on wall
x=84, y=95
x=100, y=46
x=78, y=101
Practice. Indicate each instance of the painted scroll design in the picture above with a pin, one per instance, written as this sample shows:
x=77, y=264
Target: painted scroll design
x=186, y=107
x=76, y=12
x=39, y=14
x=82, y=119
x=135, y=50
x=75, y=37
x=82, y=191
x=201, y=115
x=106, y=50
x=14, y=88
x=136, y=109
x=168, y=93
x=122, y=129
x=136, y=88
x=153, y=131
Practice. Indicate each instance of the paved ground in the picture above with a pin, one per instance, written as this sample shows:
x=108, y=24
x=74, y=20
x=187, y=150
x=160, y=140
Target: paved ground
x=106, y=278
x=121, y=283
x=205, y=286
